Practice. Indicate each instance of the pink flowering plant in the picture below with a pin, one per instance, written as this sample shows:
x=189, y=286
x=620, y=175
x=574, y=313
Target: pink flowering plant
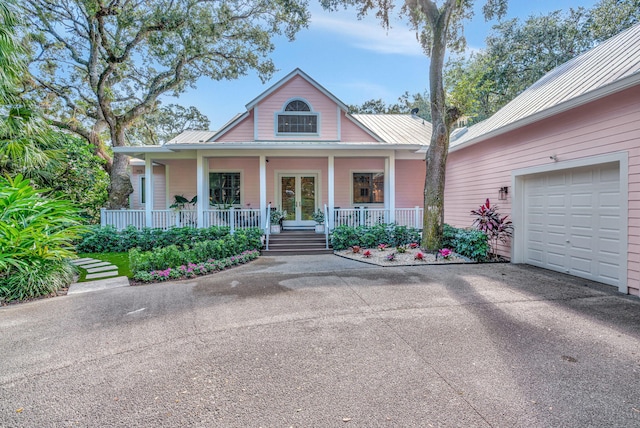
x=445, y=253
x=192, y=270
x=391, y=257
x=382, y=247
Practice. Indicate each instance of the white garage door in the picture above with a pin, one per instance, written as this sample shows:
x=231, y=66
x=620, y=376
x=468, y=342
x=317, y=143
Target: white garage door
x=572, y=222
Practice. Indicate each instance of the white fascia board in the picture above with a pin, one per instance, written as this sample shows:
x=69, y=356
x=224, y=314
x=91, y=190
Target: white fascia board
x=295, y=146
x=594, y=95
x=141, y=149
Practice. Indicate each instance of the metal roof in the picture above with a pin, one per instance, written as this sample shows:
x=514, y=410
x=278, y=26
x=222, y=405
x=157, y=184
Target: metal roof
x=191, y=137
x=609, y=67
x=401, y=129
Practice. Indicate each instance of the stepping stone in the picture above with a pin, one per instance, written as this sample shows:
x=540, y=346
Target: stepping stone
x=102, y=269
x=100, y=284
x=95, y=265
x=102, y=274
x=83, y=261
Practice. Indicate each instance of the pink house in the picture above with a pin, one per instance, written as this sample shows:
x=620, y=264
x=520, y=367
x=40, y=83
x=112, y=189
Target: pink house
x=566, y=155
x=295, y=148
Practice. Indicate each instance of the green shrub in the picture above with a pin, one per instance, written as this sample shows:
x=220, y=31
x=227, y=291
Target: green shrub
x=36, y=236
x=370, y=236
x=174, y=256
x=108, y=239
x=470, y=243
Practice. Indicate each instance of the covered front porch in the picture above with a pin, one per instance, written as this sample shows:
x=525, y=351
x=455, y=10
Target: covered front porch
x=237, y=188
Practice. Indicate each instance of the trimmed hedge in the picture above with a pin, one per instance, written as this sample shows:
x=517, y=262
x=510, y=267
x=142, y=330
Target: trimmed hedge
x=470, y=243
x=370, y=236
x=108, y=239
x=174, y=256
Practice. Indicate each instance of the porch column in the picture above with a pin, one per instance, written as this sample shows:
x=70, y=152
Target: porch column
x=148, y=191
x=263, y=188
x=331, y=190
x=200, y=188
x=390, y=181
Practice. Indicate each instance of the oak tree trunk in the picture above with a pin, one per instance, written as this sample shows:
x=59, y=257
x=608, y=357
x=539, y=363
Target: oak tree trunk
x=436, y=158
x=120, y=187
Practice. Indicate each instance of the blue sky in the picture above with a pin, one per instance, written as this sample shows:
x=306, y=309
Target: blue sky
x=356, y=60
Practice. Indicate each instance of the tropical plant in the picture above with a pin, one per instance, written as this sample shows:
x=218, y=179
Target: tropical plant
x=318, y=216
x=36, y=239
x=180, y=202
x=495, y=226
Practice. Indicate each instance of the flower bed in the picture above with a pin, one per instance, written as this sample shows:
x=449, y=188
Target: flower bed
x=191, y=270
x=403, y=256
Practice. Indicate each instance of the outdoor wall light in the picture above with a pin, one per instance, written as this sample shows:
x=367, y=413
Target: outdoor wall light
x=503, y=192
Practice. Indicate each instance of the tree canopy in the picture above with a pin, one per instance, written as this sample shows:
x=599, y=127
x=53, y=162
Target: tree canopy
x=518, y=53
x=164, y=123
x=98, y=66
x=405, y=104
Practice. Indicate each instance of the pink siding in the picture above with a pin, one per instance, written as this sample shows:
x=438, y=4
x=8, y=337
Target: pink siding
x=296, y=165
x=298, y=87
x=605, y=126
x=344, y=167
x=351, y=132
x=159, y=181
x=243, y=131
x=249, y=169
x=182, y=178
x=410, y=183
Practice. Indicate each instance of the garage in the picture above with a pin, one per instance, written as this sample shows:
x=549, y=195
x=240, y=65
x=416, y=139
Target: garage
x=573, y=222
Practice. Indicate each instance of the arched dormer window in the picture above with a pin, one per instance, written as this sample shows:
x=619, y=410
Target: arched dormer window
x=297, y=118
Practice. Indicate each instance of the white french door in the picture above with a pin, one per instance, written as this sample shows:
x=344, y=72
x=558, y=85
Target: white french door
x=298, y=197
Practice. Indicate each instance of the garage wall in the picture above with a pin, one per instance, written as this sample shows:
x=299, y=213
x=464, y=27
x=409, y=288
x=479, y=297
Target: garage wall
x=609, y=125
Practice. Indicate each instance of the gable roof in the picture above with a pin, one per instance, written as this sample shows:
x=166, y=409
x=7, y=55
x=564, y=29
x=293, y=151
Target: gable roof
x=610, y=67
x=397, y=128
x=285, y=79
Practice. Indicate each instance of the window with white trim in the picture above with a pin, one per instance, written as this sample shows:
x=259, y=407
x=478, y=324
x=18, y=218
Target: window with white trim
x=297, y=118
x=368, y=187
x=224, y=188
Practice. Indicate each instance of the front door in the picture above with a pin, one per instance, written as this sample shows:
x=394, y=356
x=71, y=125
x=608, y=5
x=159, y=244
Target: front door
x=298, y=198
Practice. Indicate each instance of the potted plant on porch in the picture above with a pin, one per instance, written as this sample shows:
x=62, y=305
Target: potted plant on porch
x=276, y=220
x=318, y=217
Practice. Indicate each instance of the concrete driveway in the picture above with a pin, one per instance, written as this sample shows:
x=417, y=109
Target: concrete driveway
x=328, y=342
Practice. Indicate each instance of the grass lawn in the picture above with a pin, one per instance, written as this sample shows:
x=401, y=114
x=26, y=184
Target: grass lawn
x=121, y=260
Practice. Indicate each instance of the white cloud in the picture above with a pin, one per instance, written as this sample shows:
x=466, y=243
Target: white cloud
x=367, y=33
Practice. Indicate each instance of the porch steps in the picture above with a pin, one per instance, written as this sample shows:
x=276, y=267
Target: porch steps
x=296, y=243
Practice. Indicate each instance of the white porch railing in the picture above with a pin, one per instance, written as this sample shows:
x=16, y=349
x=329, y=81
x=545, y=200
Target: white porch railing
x=360, y=216
x=244, y=218
x=233, y=218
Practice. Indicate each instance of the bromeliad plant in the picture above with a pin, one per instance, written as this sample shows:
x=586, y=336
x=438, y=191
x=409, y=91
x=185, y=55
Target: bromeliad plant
x=445, y=253
x=496, y=227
